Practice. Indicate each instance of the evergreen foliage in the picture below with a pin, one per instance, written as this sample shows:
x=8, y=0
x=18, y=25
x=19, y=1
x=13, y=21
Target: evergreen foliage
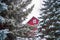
x=51, y=17
x=14, y=15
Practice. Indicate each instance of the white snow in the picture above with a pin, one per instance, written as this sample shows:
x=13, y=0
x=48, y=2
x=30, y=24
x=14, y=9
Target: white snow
x=2, y=20
x=24, y=10
x=47, y=36
x=36, y=10
x=58, y=22
x=51, y=26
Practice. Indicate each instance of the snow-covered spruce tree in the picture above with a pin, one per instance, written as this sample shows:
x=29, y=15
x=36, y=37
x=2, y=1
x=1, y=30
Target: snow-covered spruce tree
x=15, y=14
x=51, y=17
x=26, y=31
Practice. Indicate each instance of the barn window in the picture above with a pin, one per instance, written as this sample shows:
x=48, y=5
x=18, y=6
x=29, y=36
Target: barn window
x=34, y=21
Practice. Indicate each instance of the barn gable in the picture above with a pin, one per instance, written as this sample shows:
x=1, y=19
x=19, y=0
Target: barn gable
x=33, y=21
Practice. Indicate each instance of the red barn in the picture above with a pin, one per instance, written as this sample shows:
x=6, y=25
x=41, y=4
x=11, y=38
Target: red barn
x=33, y=21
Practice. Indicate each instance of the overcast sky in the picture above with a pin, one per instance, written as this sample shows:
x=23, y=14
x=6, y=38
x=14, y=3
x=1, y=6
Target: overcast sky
x=36, y=10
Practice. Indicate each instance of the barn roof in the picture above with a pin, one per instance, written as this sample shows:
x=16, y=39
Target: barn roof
x=29, y=17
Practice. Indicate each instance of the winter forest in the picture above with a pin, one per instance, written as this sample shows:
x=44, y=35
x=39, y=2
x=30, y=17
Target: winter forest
x=29, y=19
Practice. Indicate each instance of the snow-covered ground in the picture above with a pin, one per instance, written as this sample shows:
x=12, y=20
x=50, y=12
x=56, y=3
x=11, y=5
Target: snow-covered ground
x=36, y=10
x=36, y=38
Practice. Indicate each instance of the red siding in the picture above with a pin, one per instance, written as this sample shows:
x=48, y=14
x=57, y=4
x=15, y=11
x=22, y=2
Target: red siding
x=31, y=23
x=35, y=29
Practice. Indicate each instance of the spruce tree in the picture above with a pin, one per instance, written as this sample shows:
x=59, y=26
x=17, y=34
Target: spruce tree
x=51, y=17
x=14, y=15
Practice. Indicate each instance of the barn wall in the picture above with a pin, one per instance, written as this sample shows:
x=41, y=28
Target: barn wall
x=31, y=21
